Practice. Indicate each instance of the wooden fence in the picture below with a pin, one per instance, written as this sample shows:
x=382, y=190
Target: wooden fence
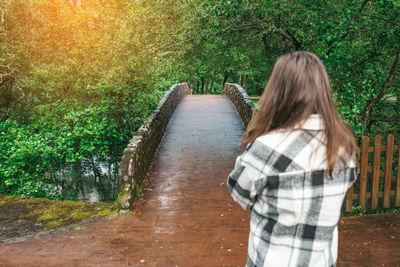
x=376, y=186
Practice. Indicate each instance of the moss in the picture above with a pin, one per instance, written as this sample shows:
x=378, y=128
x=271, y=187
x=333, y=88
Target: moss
x=102, y=205
x=53, y=213
x=53, y=224
x=106, y=212
x=80, y=214
x=138, y=191
x=122, y=193
x=38, y=200
x=11, y=197
x=124, y=212
x=33, y=213
x=80, y=228
x=72, y=204
x=129, y=150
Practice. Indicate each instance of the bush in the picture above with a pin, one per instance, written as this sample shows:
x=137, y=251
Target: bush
x=36, y=158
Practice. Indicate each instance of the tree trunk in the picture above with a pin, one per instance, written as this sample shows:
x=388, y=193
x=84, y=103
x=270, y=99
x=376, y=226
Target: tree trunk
x=266, y=49
x=207, y=80
x=244, y=82
x=8, y=84
x=240, y=80
x=96, y=171
x=192, y=85
x=265, y=44
x=197, y=86
x=371, y=104
x=226, y=76
x=202, y=85
x=212, y=82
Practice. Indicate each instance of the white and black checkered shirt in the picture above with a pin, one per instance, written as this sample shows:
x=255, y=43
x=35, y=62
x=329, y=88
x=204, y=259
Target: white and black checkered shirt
x=294, y=204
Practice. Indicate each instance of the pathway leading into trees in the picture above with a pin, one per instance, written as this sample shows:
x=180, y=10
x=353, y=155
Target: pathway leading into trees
x=187, y=218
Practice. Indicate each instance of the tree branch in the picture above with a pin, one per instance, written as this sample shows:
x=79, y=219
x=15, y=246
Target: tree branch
x=384, y=19
x=355, y=17
x=374, y=101
x=296, y=43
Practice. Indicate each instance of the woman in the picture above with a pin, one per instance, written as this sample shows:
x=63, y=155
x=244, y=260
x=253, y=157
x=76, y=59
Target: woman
x=298, y=163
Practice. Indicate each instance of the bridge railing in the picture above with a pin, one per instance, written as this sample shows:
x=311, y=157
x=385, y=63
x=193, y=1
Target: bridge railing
x=139, y=153
x=242, y=102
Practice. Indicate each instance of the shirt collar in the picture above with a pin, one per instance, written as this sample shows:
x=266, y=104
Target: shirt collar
x=314, y=122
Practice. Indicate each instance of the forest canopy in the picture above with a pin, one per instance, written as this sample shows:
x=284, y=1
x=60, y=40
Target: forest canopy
x=78, y=77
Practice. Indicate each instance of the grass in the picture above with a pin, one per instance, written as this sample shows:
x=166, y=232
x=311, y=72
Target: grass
x=357, y=211
x=254, y=100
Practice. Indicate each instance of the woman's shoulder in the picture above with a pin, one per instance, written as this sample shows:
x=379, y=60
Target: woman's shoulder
x=281, y=138
x=295, y=149
x=306, y=129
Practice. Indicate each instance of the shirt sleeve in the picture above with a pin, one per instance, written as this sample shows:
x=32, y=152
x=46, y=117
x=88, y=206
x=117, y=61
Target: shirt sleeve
x=242, y=183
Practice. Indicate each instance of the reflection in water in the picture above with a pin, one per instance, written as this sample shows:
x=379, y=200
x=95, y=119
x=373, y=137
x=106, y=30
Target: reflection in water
x=89, y=180
x=89, y=196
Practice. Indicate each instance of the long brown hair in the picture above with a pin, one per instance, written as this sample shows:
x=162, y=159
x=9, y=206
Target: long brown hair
x=298, y=87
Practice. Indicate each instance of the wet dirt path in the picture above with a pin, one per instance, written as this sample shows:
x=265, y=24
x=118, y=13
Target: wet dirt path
x=188, y=217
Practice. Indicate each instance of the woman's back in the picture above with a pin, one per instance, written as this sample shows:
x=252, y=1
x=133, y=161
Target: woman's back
x=296, y=169
x=283, y=179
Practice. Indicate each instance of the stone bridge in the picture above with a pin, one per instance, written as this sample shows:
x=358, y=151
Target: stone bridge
x=187, y=217
x=202, y=119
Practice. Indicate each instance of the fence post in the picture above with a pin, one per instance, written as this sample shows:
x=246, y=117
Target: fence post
x=349, y=199
x=363, y=171
x=375, y=171
x=388, y=171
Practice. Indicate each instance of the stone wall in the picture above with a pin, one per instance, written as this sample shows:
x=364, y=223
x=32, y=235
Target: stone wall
x=138, y=155
x=240, y=100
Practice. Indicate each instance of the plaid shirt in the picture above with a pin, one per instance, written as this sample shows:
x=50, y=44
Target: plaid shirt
x=294, y=205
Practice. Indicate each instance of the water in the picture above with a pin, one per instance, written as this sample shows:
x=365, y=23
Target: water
x=91, y=195
x=80, y=182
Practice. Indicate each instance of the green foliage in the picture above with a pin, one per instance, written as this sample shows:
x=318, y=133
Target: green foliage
x=33, y=155
x=358, y=42
x=359, y=211
x=77, y=80
x=74, y=87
